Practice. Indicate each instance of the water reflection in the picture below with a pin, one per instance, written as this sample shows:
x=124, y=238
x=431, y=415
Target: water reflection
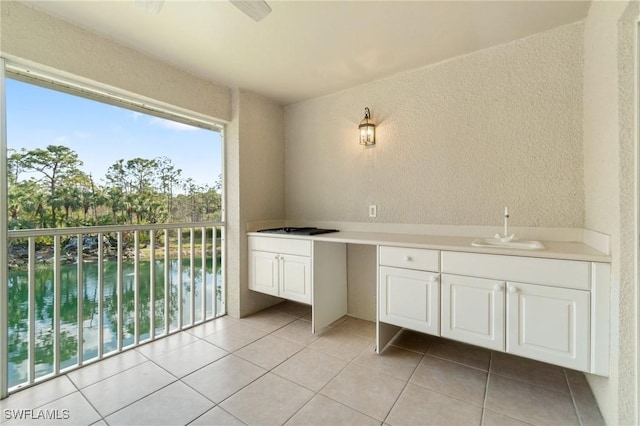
x=18, y=311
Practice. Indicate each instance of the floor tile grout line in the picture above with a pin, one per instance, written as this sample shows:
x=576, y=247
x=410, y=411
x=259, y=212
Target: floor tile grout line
x=486, y=389
x=139, y=399
x=457, y=362
x=253, y=341
x=348, y=363
x=177, y=379
x=215, y=406
x=87, y=399
x=318, y=392
x=406, y=383
x=519, y=380
x=573, y=399
x=80, y=390
x=447, y=395
x=303, y=347
x=267, y=371
x=426, y=354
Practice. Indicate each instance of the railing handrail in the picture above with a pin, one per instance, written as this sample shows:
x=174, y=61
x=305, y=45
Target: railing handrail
x=49, y=232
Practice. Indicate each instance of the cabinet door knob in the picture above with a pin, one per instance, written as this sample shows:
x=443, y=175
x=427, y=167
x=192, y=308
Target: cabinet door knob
x=407, y=259
x=433, y=279
x=497, y=287
x=277, y=256
x=513, y=289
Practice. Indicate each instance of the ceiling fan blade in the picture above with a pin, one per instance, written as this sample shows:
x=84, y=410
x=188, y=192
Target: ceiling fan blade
x=149, y=6
x=255, y=9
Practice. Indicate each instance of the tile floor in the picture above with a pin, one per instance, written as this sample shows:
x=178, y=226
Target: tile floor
x=269, y=369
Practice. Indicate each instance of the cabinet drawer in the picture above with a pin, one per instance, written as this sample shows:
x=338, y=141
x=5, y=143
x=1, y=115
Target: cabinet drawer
x=281, y=245
x=410, y=258
x=551, y=272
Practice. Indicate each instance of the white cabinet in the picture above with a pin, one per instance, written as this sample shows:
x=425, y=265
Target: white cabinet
x=302, y=270
x=409, y=298
x=295, y=278
x=264, y=272
x=547, y=318
x=408, y=291
x=283, y=272
x=284, y=275
x=549, y=324
x=473, y=310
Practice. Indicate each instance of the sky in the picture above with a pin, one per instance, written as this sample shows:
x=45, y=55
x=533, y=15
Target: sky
x=102, y=134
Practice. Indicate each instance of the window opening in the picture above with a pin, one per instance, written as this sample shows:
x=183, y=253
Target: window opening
x=115, y=215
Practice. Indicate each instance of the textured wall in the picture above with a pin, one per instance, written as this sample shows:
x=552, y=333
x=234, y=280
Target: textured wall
x=49, y=42
x=457, y=141
x=254, y=155
x=609, y=153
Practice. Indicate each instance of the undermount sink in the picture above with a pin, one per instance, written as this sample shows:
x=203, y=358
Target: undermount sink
x=514, y=244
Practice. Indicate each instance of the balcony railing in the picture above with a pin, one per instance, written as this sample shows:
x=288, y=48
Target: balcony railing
x=77, y=295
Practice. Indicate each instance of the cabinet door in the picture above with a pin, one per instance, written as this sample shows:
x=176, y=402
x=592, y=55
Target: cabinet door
x=473, y=310
x=549, y=324
x=295, y=278
x=263, y=272
x=409, y=299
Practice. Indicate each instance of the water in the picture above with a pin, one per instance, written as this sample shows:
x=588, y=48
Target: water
x=44, y=305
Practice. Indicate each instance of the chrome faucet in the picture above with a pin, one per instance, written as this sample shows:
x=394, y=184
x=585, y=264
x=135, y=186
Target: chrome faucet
x=505, y=237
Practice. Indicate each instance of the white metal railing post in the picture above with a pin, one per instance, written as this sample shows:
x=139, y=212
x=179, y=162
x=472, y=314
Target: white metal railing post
x=214, y=268
x=203, y=268
x=223, y=266
x=136, y=287
x=80, y=297
x=152, y=284
x=32, y=310
x=100, y=294
x=4, y=243
x=167, y=285
x=180, y=294
x=192, y=277
x=57, y=284
x=119, y=292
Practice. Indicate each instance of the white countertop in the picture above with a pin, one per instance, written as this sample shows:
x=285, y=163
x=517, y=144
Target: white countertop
x=554, y=249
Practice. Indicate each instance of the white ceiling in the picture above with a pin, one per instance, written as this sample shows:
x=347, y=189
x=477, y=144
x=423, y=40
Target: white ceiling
x=305, y=49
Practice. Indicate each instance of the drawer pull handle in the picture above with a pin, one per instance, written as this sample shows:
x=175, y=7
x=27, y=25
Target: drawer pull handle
x=513, y=289
x=498, y=287
x=407, y=259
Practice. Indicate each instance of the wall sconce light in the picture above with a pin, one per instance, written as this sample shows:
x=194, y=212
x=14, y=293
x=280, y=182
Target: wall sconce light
x=367, y=129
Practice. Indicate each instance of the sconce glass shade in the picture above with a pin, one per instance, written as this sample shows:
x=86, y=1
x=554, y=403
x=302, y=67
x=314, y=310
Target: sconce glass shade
x=367, y=129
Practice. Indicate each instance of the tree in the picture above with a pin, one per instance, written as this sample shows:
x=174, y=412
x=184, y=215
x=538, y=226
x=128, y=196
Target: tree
x=14, y=165
x=54, y=163
x=24, y=199
x=138, y=190
x=169, y=178
x=136, y=180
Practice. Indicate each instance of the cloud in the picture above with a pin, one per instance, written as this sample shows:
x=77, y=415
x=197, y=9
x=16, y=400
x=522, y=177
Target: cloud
x=172, y=125
x=81, y=135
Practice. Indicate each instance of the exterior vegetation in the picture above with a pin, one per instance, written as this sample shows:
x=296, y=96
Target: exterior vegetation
x=48, y=189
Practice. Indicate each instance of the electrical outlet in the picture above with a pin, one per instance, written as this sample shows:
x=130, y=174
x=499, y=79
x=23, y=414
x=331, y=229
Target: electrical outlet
x=373, y=210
